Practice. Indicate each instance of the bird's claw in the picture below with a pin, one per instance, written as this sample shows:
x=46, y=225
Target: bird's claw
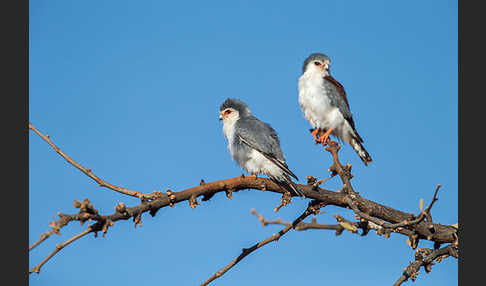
x=324, y=138
x=314, y=133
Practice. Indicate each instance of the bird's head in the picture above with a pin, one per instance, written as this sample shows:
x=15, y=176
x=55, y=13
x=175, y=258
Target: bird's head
x=317, y=63
x=232, y=109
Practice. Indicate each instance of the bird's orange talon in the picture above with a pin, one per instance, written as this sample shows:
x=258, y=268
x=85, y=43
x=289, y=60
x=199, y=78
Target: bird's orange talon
x=314, y=134
x=324, y=138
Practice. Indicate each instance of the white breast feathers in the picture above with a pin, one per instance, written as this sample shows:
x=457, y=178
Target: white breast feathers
x=229, y=133
x=315, y=103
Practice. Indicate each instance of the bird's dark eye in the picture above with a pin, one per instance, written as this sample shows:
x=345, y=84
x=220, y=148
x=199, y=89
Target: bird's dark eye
x=317, y=63
x=226, y=112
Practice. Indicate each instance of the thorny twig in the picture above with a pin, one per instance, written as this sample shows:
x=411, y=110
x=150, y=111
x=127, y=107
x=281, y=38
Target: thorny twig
x=425, y=257
x=55, y=227
x=351, y=198
x=312, y=208
x=86, y=213
x=37, y=268
x=423, y=214
x=344, y=173
x=339, y=228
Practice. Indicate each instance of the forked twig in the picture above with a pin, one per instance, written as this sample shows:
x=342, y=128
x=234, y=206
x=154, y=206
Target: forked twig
x=344, y=173
x=300, y=226
x=37, y=268
x=312, y=208
x=425, y=257
x=55, y=227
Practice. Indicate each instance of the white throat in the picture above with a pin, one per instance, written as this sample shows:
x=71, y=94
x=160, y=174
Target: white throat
x=229, y=131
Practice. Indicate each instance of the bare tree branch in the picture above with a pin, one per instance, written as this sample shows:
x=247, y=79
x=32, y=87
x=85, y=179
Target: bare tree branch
x=352, y=199
x=55, y=227
x=312, y=208
x=37, y=268
x=442, y=234
x=86, y=171
x=425, y=257
x=370, y=215
x=343, y=224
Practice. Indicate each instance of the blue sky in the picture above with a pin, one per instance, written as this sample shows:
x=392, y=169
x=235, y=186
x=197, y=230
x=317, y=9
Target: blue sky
x=132, y=90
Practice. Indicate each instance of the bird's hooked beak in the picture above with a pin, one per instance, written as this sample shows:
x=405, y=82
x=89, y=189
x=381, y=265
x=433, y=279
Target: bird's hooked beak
x=325, y=65
x=220, y=117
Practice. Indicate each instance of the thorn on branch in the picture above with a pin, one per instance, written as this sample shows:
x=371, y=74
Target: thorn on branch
x=315, y=206
x=106, y=225
x=137, y=219
x=193, y=202
x=76, y=204
x=87, y=207
x=286, y=199
x=311, y=180
x=121, y=208
x=171, y=197
x=55, y=227
x=412, y=241
x=229, y=194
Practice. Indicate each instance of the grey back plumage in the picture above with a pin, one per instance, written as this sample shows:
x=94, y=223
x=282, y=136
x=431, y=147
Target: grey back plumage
x=337, y=100
x=252, y=133
x=258, y=134
x=248, y=135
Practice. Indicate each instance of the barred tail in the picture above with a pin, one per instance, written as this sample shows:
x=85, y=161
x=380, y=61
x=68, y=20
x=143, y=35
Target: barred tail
x=292, y=185
x=357, y=144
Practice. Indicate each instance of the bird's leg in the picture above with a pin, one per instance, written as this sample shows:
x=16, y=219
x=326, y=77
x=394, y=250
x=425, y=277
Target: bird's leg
x=324, y=138
x=314, y=133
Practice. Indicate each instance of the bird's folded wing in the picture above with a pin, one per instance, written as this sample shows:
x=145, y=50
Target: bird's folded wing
x=272, y=158
x=337, y=95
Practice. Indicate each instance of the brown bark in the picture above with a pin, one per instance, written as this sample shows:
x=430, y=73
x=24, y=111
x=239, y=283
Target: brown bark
x=370, y=214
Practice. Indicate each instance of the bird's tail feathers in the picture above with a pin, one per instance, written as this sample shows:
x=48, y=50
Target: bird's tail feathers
x=356, y=143
x=293, y=187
